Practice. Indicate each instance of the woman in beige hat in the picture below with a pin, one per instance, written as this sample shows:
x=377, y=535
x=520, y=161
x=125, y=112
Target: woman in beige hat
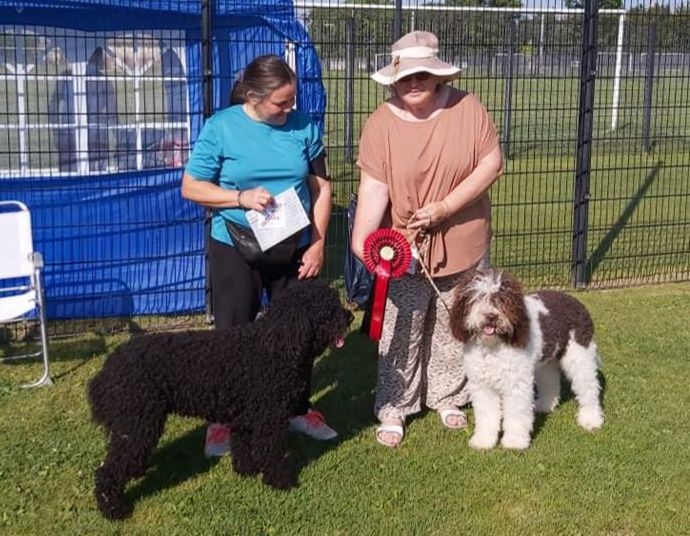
x=427, y=156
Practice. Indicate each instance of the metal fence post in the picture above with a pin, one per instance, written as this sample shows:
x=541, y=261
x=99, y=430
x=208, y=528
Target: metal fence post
x=397, y=20
x=207, y=108
x=649, y=87
x=585, y=124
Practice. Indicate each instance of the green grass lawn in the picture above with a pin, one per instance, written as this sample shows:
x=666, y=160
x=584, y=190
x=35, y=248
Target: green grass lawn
x=631, y=478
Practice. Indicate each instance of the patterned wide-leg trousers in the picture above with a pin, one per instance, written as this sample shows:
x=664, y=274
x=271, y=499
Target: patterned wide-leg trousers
x=420, y=362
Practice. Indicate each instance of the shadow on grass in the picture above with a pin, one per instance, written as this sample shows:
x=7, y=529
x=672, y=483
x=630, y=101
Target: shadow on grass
x=77, y=351
x=599, y=254
x=176, y=462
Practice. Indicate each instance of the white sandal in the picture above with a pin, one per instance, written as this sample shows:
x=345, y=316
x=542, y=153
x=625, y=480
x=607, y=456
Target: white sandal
x=391, y=429
x=453, y=412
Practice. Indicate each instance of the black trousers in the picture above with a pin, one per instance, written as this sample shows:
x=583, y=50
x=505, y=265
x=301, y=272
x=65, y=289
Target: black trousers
x=238, y=289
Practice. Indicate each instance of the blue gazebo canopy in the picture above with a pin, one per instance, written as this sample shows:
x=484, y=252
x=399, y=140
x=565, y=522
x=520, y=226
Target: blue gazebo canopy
x=116, y=236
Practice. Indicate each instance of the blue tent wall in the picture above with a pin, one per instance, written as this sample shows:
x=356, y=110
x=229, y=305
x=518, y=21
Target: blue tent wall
x=126, y=244
x=240, y=39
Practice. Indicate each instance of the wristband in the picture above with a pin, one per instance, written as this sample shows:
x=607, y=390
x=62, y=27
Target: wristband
x=239, y=199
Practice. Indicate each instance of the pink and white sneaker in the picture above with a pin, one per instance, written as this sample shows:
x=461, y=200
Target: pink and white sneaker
x=313, y=424
x=217, y=440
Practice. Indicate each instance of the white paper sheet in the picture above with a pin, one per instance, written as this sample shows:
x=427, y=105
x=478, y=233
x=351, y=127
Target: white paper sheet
x=282, y=219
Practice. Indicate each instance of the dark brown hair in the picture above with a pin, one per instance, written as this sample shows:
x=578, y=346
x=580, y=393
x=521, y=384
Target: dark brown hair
x=262, y=77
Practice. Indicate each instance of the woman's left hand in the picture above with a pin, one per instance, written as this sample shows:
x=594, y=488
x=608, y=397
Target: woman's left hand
x=429, y=216
x=312, y=261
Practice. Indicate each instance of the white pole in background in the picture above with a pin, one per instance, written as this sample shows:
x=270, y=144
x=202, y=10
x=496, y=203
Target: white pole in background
x=81, y=117
x=617, y=76
x=541, y=41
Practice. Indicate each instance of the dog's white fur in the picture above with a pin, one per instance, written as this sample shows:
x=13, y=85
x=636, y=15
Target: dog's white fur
x=502, y=371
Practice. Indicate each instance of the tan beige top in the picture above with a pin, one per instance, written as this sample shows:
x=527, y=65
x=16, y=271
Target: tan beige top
x=422, y=161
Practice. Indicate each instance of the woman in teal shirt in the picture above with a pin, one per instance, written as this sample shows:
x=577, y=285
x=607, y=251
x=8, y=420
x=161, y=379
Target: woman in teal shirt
x=244, y=156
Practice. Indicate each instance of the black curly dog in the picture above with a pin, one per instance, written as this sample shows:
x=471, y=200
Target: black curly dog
x=247, y=376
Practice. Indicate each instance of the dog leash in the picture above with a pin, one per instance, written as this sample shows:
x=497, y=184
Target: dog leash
x=422, y=252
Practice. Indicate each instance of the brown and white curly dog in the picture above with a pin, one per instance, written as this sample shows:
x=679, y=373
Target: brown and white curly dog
x=513, y=342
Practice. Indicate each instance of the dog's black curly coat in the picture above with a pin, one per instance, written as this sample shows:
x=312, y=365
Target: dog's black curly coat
x=247, y=376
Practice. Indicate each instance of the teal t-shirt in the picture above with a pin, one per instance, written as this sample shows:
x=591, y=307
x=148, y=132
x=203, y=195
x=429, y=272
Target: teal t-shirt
x=237, y=152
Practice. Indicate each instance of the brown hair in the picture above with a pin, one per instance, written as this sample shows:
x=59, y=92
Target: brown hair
x=262, y=77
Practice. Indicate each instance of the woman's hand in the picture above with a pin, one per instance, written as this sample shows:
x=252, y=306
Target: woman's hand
x=429, y=216
x=255, y=198
x=311, y=262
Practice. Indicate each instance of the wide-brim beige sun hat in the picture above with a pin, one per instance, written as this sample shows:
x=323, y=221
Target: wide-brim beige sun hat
x=415, y=52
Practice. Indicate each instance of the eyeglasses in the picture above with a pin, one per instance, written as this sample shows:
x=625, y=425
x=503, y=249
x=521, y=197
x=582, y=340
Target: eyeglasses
x=419, y=77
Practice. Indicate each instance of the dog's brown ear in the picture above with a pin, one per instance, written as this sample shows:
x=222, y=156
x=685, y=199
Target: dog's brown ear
x=520, y=336
x=512, y=293
x=458, y=312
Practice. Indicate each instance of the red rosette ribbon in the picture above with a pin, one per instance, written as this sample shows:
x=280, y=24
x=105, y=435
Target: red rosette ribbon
x=387, y=254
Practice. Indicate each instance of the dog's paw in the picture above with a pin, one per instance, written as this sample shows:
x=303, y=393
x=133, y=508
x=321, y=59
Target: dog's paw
x=590, y=418
x=114, y=507
x=515, y=441
x=483, y=442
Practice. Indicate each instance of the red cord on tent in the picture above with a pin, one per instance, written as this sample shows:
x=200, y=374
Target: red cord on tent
x=387, y=254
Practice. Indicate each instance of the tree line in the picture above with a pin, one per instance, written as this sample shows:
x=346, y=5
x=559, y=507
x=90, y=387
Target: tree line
x=369, y=31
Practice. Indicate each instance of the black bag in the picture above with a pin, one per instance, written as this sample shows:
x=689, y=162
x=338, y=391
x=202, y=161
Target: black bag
x=358, y=280
x=247, y=246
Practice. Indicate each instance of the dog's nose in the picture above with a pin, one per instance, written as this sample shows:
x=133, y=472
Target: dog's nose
x=491, y=317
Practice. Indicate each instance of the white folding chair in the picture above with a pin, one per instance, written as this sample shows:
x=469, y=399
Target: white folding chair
x=19, y=261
